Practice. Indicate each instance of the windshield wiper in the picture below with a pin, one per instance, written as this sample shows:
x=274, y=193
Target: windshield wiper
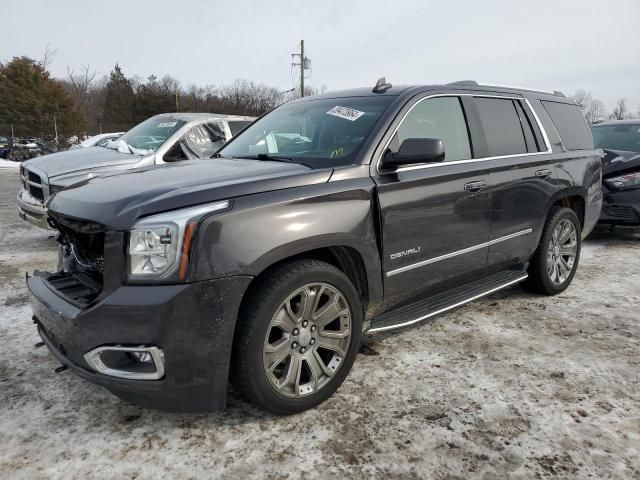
x=266, y=157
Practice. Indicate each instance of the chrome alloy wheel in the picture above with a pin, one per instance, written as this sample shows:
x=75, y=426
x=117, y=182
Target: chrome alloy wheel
x=307, y=340
x=561, y=252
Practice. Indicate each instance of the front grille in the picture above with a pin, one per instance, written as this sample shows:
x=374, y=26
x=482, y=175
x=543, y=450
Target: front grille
x=36, y=192
x=32, y=182
x=34, y=177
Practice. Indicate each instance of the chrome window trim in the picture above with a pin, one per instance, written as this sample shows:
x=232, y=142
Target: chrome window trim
x=446, y=256
x=471, y=160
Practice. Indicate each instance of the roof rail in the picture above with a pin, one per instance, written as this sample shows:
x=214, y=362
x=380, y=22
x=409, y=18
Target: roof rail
x=473, y=83
x=464, y=83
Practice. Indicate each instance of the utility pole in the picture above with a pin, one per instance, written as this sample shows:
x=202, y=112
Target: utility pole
x=304, y=65
x=177, y=101
x=55, y=127
x=301, y=68
x=13, y=138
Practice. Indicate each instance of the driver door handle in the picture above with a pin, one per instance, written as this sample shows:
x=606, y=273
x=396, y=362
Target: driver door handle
x=475, y=186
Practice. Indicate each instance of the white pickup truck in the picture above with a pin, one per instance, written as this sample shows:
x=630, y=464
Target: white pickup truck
x=164, y=138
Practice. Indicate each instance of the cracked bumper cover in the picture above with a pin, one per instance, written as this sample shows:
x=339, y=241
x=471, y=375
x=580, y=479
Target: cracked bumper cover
x=34, y=214
x=192, y=323
x=621, y=207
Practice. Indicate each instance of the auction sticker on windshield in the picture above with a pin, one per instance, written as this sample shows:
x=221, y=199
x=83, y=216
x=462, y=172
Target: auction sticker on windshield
x=166, y=124
x=345, y=112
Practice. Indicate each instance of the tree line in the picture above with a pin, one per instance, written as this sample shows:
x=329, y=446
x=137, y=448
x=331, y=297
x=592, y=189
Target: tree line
x=34, y=102
x=594, y=110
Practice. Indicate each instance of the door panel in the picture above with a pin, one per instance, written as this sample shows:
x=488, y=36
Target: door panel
x=522, y=175
x=520, y=197
x=428, y=218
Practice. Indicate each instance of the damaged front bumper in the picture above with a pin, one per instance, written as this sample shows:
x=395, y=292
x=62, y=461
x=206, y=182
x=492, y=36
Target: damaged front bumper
x=191, y=324
x=621, y=208
x=34, y=213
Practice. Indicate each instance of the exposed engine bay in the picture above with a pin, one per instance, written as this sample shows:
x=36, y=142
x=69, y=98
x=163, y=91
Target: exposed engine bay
x=80, y=259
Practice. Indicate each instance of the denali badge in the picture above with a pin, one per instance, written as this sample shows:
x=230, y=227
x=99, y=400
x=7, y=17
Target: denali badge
x=404, y=253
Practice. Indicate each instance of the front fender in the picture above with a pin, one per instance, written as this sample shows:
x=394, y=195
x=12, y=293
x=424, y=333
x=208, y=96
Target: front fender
x=261, y=230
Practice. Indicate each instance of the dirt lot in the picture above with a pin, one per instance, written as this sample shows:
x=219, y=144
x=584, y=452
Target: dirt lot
x=511, y=386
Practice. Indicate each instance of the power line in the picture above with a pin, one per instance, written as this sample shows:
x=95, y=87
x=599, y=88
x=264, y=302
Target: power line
x=270, y=65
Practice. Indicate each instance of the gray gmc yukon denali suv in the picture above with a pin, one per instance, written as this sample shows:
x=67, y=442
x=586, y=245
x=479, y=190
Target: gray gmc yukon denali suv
x=328, y=218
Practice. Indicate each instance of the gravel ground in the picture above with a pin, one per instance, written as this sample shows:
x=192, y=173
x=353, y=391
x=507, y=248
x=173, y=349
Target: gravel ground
x=512, y=386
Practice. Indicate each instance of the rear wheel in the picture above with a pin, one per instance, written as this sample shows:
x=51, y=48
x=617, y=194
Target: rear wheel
x=555, y=261
x=298, y=337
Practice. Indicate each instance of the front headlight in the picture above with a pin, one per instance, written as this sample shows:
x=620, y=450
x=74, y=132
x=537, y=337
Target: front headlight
x=159, y=245
x=624, y=181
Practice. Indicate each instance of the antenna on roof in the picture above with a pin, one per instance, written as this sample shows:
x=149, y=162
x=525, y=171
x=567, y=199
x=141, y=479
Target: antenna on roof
x=464, y=83
x=381, y=86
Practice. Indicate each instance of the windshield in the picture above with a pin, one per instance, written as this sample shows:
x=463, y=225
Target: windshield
x=147, y=136
x=624, y=137
x=317, y=133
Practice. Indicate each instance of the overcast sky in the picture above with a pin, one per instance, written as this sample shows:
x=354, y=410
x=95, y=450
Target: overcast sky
x=547, y=44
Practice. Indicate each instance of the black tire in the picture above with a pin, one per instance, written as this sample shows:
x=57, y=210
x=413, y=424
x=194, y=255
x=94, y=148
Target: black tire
x=539, y=280
x=248, y=374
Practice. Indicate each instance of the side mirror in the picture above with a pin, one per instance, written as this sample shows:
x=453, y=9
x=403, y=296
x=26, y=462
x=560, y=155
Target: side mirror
x=413, y=151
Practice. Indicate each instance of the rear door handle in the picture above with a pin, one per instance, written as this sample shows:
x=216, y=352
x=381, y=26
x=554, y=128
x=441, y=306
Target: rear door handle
x=544, y=173
x=475, y=186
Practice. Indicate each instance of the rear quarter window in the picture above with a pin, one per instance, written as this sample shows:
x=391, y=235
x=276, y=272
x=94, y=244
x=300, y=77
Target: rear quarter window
x=570, y=124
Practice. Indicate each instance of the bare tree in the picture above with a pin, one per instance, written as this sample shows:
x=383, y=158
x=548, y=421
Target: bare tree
x=583, y=99
x=81, y=83
x=620, y=110
x=592, y=108
x=49, y=52
x=595, y=111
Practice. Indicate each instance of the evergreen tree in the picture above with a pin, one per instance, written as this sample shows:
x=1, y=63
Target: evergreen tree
x=118, y=111
x=29, y=99
x=155, y=97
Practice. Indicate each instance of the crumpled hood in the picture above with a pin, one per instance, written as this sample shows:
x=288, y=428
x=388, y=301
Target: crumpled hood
x=615, y=161
x=80, y=159
x=117, y=201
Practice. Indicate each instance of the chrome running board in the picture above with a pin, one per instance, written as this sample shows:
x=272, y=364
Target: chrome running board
x=442, y=302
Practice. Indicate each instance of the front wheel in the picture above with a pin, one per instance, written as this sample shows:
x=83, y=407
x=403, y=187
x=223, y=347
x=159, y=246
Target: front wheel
x=555, y=261
x=298, y=337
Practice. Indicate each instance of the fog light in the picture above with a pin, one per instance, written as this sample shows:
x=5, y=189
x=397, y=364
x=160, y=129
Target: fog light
x=135, y=363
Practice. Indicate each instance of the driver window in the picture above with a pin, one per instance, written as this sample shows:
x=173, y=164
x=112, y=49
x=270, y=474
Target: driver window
x=439, y=117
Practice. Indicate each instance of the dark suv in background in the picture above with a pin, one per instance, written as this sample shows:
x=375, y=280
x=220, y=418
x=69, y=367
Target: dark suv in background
x=332, y=216
x=620, y=140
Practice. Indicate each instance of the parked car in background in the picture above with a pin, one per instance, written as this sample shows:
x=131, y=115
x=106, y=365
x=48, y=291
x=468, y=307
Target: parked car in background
x=164, y=138
x=331, y=216
x=4, y=147
x=98, y=140
x=620, y=140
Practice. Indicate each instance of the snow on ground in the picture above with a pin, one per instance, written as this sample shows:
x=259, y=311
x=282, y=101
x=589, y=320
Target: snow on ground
x=513, y=386
x=9, y=164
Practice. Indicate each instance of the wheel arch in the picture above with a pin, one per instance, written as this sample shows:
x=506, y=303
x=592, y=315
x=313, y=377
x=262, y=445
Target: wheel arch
x=573, y=198
x=359, y=263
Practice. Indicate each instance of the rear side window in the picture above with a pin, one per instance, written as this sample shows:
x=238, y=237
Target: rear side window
x=442, y=118
x=570, y=124
x=502, y=127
